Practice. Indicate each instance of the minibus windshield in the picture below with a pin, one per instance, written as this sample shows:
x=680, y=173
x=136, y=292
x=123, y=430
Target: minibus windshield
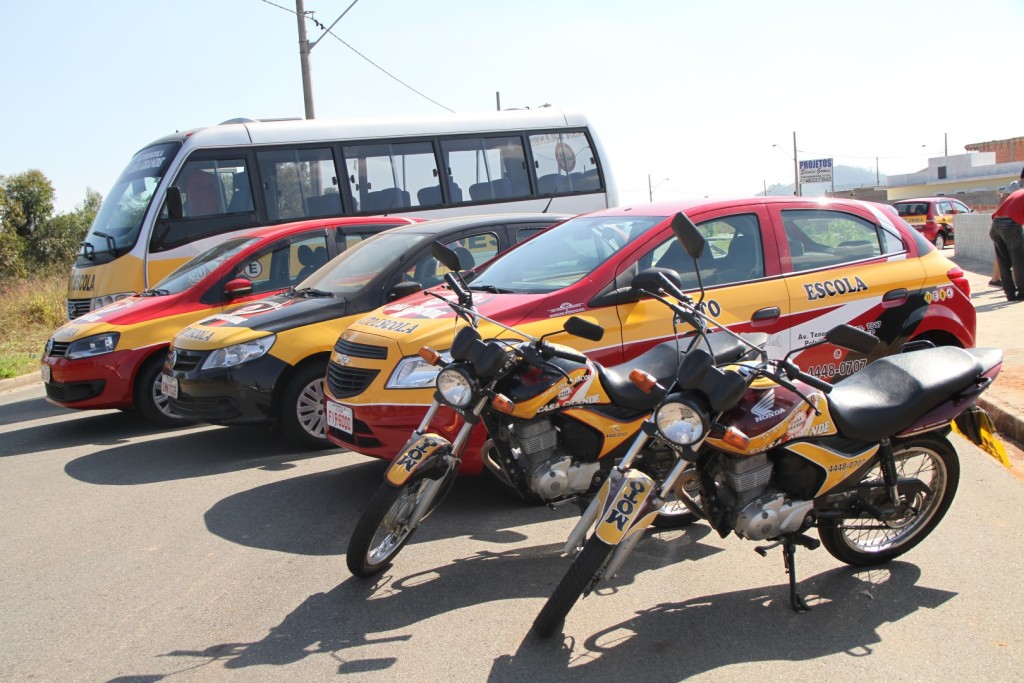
x=119, y=220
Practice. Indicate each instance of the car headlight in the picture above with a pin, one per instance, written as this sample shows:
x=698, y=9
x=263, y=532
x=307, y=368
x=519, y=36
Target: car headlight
x=680, y=423
x=415, y=373
x=93, y=346
x=456, y=386
x=238, y=353
x=101, y=301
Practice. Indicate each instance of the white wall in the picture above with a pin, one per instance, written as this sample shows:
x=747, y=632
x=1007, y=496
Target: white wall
x=971, y=239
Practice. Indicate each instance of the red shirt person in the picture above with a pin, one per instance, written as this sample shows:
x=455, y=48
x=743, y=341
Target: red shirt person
x=1008, y=239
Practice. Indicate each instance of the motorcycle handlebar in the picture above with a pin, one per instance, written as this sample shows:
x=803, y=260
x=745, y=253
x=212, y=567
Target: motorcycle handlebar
x=568, y=355
x=795, y=373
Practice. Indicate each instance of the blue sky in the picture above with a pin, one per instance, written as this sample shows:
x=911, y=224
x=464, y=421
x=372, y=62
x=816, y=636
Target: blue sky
x=693, y=94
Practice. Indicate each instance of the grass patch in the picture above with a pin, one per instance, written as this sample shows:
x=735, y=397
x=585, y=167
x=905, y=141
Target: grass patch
x=30, y=310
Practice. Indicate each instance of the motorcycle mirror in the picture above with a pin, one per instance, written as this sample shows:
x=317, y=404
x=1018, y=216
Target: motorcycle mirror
x=447, y=256
x=578, y=327
x=650, y=279
x=688, y=234
x=852, y=338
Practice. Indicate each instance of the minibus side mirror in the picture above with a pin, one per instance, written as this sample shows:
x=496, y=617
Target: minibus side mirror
x=175, y=208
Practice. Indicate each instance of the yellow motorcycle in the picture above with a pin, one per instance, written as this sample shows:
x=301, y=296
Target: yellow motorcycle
x=768, y=452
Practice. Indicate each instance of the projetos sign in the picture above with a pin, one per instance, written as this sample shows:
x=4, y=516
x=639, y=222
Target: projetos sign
x=816, y=171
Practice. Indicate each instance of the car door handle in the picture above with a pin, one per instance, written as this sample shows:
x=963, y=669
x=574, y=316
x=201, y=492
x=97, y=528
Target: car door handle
x=770, y=313
x=894, y=297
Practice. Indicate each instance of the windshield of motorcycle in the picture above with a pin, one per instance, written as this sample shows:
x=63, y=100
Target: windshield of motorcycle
x=565, y=254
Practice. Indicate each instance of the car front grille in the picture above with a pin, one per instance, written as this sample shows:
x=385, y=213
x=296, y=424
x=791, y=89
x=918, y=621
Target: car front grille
x=344, y=381
x=351, y=348
x=58, y=349
x=74, y=391
x=185, y=360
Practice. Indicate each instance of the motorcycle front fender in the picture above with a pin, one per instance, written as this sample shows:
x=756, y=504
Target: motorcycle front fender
x=419, y=455
x=627, y=510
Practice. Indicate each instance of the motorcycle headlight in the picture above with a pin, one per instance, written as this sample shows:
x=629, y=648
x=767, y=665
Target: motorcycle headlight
x=238, y=353
x=93, y=346
x=415, y=373
x=681, y=423
x=456, y=386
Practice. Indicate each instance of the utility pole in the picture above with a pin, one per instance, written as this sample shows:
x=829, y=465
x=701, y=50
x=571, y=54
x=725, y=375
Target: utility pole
x=307, y=81
x=796, y=169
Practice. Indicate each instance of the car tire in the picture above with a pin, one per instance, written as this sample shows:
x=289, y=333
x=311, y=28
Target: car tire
x=940, y=240
x=301, y=417
x=148, y=399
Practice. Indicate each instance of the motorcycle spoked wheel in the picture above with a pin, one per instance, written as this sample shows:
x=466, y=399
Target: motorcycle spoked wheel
x=581, y=578
x=383, y=530
x=866, y=541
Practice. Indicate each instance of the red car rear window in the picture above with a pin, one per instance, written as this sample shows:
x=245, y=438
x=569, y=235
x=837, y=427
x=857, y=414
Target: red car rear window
x=912, y=209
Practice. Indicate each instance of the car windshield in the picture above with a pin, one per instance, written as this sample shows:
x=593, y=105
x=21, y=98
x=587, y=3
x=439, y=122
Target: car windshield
x=912, y=208
x=195, y=269
x=351, y=270
x=564, y=254
x=117, y=223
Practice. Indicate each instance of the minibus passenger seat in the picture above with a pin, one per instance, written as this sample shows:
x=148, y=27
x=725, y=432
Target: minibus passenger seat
x=241, y=196
x=201, y=195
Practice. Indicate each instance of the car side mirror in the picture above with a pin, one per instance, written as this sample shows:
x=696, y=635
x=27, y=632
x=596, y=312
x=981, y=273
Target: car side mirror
x=650, y=279
x=237, y=288
x=175, y=207
x=403, y=289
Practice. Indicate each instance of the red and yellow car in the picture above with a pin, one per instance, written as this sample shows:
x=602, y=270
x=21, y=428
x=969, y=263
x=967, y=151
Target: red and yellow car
x=112, y=357
x=791, y=267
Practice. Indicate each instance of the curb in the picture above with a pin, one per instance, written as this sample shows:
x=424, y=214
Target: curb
x=12, y=383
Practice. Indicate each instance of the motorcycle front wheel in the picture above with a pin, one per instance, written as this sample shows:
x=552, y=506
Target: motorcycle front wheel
x=384, y=527
x=865, y=541
x=584, y=573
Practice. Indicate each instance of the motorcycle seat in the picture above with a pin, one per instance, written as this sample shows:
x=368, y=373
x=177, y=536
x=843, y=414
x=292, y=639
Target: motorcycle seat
x=891, y=393
x=662, y=361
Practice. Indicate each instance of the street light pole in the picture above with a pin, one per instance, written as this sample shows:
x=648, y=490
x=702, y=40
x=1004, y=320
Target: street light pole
x=307, y=81
x=651, y=189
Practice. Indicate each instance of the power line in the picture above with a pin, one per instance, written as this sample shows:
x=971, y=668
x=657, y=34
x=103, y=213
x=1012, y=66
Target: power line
x=328, y=31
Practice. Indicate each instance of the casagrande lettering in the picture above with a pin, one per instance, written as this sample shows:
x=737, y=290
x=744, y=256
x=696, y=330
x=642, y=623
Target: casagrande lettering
x=385, y=324
x=838, y=287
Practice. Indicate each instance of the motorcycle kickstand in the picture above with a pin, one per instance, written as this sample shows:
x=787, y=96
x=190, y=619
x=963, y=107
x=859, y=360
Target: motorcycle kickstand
x=789, y=543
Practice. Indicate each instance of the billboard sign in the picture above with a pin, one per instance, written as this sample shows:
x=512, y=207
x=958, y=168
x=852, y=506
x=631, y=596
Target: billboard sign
x=815, y=171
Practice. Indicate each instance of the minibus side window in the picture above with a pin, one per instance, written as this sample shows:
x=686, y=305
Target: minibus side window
x=299, y=183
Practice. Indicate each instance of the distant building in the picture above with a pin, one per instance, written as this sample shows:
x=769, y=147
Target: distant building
x=977, y=178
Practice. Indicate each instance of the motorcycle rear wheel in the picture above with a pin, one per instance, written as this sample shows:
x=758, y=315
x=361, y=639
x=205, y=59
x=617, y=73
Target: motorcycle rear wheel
x=866, y=541
x=383, y=529
x=581, y=577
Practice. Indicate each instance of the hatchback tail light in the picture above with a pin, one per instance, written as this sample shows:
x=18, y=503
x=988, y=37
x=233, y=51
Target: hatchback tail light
x=957, y=277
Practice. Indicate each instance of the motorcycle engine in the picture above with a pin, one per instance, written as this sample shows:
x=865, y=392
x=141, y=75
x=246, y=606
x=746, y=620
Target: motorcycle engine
x=550, y=471
x=758, y=511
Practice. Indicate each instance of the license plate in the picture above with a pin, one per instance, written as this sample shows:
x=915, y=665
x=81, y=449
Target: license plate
x=168, y=386
x=44, y=372
x=339, y=417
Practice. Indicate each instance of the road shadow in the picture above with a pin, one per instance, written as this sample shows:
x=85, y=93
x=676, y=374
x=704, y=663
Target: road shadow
x=359, y=612
x=29, y=409
x=702, y=634
x=183, y=454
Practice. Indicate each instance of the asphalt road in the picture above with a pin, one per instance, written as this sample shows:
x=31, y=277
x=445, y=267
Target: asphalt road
x=214, y=554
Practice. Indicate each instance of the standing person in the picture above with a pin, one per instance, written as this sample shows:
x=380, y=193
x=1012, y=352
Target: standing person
x=1010, y=189
x=1008, y=238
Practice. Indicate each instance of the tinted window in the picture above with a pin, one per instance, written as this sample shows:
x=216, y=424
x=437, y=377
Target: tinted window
x=733, y=253
x=473, y=251
x=350, y=271
x=388, y=176
x=911, y=208
x=820, y=238
x=214, y=187
x=564, y=163
x=481, y=169
x=299, y=183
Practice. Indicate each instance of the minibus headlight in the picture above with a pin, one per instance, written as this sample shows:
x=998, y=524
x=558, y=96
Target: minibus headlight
x=101, y=301
x=415, y=373
x=235, y=354
x=681, y=423
x=93, y=346
x=456, y=386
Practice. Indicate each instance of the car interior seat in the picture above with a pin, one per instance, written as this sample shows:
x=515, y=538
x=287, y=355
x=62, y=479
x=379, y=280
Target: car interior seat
x=466, y=259
x=311, y=260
